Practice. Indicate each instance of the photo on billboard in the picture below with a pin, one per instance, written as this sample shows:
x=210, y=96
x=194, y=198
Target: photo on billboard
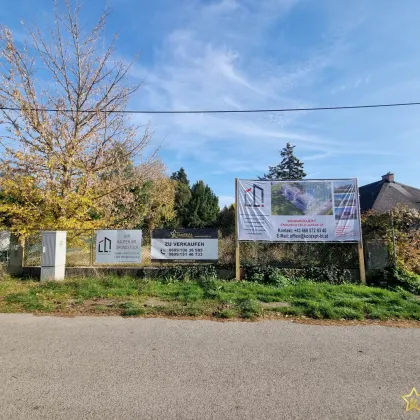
x=344, y=200
x=344, y=187
x=301, y=198
x=345, y=213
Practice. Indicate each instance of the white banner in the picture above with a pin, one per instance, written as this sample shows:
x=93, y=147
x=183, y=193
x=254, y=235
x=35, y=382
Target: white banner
x=298, y=211
x=185, y=244
x=118, y=246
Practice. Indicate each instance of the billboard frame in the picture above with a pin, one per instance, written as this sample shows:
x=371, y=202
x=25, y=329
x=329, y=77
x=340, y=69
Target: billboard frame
x=362, y=269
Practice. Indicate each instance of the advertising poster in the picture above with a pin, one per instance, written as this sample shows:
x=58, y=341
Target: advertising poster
x=118, y=246
x=185, y=244
x=298, y=211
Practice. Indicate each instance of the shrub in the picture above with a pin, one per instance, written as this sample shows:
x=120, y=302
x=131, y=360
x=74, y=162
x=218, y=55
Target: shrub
x=394, y=278
x=330, y=274
x=406, y=223
x=182, y=272
x=268, y=274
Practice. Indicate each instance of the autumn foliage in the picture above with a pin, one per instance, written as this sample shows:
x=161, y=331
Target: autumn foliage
x=406, y=223
x=69, y=157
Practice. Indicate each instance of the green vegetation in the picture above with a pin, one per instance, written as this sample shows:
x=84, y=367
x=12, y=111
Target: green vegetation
x=280, y=204
x=209, y=297
x=196, y=206
x=290, y=166
x=396, y=278
x=404, y=224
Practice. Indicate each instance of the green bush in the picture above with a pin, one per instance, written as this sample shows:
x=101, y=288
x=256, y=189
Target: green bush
x=268, y=274
x=329, y=274
x=182, y=272
x=396, y=278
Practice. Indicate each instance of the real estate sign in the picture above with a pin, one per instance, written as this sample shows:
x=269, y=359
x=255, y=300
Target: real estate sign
x=298, y=211
x=118, y=246
x=184, y=244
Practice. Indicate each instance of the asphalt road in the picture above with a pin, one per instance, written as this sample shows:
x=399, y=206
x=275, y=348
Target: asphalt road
x=115, y=368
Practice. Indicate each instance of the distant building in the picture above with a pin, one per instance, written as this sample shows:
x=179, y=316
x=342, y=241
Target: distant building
x=303, y=202
x=386, y=194
x=300, y=199
x=291, y=192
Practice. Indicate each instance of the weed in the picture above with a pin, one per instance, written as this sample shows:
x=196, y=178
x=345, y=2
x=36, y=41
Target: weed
x=224, y=313
x=131, y=309
x=249, y=308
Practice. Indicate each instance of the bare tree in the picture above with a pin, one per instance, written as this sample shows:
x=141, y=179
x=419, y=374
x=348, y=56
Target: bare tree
x=61, y=96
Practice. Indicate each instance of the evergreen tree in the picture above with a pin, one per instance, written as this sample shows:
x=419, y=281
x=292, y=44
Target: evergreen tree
x=226, y=220
x=182, y=198
x=289, y=168
x=203, y=207
x=181, y=176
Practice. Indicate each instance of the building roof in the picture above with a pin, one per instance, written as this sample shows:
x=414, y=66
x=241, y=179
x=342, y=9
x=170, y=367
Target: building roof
x=386, y=194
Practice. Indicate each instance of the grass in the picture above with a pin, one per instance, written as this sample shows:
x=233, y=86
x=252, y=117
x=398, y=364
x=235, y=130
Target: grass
x=129, y=296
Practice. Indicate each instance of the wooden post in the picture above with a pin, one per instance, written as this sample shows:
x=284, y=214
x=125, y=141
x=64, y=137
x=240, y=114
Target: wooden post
x=362, y=264
x=362, y=268
x=237, y=251
x=92, y=247
x=394, y=246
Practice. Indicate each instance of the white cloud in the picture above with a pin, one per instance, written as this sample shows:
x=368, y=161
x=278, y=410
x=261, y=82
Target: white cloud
x=214, y=62
x=223, y=6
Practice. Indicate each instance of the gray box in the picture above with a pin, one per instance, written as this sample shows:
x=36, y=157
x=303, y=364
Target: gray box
x=53, y=258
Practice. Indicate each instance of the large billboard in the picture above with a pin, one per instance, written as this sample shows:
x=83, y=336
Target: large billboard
x=185, y=244
x=298, y=211
x=118, y=246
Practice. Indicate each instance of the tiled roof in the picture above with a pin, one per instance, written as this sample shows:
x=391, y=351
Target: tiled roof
x=384, y=195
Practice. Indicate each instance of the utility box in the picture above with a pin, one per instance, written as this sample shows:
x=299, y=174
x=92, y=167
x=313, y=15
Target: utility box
x=53, y=259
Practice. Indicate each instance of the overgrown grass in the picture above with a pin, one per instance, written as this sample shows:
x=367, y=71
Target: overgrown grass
x=129, y=296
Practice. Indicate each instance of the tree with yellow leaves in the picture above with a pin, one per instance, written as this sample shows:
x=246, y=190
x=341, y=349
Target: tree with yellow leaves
x=65, y=153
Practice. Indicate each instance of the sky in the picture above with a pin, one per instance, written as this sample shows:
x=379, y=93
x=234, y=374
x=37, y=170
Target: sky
x=248, y=54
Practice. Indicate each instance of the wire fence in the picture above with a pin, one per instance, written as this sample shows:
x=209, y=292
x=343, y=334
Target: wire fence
x=81, y=252
x=389, y=246
x=4, y=246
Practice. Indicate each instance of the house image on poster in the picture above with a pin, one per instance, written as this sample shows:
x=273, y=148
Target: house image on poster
x=303, y=201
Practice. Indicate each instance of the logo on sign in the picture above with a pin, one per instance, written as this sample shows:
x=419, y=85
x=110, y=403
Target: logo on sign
x=257, y=196
x=104, y=245
x=175, y=235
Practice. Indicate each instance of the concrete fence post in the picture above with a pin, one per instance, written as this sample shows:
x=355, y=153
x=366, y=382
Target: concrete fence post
x=16, y=255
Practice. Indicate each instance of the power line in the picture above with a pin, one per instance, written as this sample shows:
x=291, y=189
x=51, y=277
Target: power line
x=220, y=111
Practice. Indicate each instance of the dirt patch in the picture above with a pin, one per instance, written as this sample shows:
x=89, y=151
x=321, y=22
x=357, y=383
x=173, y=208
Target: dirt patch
x=153, y=302
x=80, y=311
x=103, y=302
x=395, y=323
x=273, y=305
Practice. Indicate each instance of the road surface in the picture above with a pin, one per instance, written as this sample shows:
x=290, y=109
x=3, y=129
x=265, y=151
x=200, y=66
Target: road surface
x=115, y=368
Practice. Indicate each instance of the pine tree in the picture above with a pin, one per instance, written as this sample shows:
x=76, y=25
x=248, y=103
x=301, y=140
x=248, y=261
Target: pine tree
x=226, y=220
x=181, y=176
x=289, y=168
x=182, y=199
x=203, y=207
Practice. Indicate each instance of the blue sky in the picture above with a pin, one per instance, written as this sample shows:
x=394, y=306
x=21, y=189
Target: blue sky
x=238, y=54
